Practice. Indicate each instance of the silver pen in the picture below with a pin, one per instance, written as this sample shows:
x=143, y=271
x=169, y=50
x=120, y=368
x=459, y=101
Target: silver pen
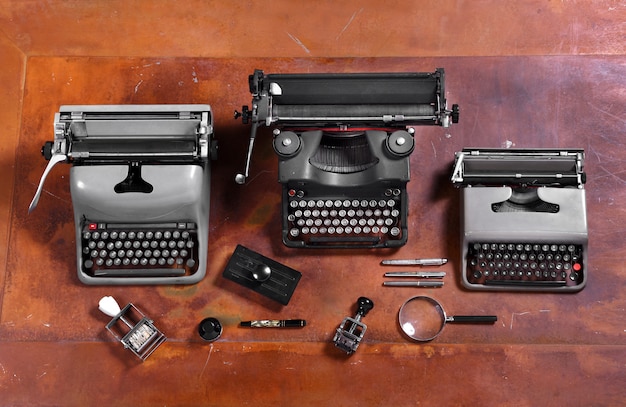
x=418, y=274
x=415, y=262
x=432, y=284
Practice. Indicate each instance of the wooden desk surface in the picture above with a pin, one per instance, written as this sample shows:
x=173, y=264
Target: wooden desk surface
x=545, y=349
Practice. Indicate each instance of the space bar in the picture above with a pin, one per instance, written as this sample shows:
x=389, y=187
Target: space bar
x=352, y=239
x=528, y=283
x=156, y=272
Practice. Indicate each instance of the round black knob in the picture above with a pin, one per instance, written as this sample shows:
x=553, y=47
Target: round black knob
x=46, y=150
x=400, y=143
x=261, y=272
x=455, y=113
x=365, y=305
x=244, y=114
x=287, y=143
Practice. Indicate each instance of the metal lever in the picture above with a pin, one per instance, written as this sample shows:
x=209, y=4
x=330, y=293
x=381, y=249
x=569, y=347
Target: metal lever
x=54, y=160
x=241, y=178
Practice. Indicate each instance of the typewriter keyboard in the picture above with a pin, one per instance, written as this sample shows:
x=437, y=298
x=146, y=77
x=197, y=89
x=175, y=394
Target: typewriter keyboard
x=368, y=222
x=525, y=264
x=134, y=250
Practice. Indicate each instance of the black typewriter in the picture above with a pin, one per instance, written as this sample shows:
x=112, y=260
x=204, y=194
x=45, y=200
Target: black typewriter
x=343, y=143
x=524, y=221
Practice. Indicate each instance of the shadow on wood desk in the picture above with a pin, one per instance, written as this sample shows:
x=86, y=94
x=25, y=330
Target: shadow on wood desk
x=552, y=349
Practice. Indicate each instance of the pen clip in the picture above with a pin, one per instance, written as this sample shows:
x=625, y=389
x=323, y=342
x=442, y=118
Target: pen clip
x=417, y=274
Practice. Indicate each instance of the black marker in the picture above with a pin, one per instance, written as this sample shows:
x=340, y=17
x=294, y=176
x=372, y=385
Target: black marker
x=274, y=323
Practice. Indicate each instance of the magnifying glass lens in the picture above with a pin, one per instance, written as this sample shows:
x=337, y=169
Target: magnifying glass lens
x=421, y=318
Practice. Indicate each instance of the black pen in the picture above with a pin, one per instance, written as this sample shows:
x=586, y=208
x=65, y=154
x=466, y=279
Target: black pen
x=274, y=323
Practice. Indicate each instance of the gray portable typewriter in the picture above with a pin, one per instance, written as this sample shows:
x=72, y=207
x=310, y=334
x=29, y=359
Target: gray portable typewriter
x=140, y=187
x=343, y=142
x=524, y=222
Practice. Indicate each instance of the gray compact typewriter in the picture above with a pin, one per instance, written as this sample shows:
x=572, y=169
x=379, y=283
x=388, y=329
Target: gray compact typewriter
x=524, y=221
x=140, y=187
x=344, y=142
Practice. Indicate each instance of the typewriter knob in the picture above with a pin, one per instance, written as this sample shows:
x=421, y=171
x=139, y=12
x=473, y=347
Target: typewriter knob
x=46, y=150
x=364, y=305
x=244, y=114
x=287, y=143
x=261, y=272
x=455, y=113
x=400, y=143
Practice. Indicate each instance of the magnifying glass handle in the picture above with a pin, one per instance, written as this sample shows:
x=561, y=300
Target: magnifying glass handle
x=473, y=319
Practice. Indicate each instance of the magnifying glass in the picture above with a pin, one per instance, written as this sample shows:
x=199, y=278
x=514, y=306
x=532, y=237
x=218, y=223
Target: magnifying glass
x=422, y=318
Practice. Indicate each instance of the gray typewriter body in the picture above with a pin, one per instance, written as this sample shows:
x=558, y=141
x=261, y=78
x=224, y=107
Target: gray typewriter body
x=139, y=173
x=533, y=240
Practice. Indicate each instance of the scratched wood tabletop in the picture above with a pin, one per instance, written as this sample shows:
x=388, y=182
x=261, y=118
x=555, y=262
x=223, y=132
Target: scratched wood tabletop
x=527, y=74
